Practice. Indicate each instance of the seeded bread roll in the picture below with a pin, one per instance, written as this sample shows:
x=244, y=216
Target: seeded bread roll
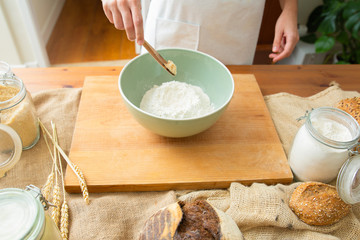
x=318, y=204
x=194, y=220
x=351, y=106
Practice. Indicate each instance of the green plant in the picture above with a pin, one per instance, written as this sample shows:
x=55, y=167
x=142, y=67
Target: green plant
x=336, y=21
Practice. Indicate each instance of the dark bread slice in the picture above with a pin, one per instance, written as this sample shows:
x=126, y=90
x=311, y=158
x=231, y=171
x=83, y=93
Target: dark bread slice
x=190, y=220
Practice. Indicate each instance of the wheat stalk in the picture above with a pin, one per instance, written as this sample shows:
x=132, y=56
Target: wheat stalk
x=73, y=167
x=56, y=192
x=64, y=217
x=48, y=187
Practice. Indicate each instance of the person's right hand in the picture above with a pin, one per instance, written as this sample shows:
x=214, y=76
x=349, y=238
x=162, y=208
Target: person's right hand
x=126, y=15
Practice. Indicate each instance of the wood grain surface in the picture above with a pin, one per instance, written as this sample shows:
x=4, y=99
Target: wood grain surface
x=301, y=80
x=117, y=154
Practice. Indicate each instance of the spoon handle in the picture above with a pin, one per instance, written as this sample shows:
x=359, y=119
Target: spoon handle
x=156, y=56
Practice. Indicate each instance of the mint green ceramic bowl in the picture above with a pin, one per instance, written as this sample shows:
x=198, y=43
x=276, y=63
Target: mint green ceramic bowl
x=196, y=68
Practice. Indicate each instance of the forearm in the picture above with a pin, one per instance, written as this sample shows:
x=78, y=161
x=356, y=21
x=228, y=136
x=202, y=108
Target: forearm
x=289, y=5
x=286, y=33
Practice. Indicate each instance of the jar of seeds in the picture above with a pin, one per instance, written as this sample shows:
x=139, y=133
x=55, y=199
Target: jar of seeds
x=17, y=110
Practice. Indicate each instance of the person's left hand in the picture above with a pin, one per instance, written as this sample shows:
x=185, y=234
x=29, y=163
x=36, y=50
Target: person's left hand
x=286, y=36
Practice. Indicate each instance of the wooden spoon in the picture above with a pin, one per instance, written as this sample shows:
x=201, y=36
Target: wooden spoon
x=158, y=57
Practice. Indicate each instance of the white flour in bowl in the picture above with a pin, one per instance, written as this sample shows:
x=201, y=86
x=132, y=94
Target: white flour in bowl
x=176, y=100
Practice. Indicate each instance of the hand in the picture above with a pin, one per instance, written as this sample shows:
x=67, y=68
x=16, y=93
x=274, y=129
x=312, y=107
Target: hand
x=126, y=15
x=286, y=36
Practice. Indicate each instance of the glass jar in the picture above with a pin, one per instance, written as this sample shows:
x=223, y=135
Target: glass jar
x=17, y=110
x=23, y=217
x=322, y=144
x=10, y=148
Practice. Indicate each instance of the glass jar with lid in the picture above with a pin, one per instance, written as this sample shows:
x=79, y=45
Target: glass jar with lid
x=17, y=110
x=22, y=214
x=323, y=150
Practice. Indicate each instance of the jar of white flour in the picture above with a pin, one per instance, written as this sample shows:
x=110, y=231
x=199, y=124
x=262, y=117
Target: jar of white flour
x=322, y=144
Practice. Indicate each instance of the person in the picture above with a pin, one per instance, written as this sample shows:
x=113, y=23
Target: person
x=225, y=29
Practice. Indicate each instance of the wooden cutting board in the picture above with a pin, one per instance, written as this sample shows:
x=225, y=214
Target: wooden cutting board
x=115, y=153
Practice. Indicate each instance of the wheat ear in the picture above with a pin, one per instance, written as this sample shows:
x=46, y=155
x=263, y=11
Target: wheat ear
x=47, y=188
x=55, y=214
x=64, y=222
x=83, y=186
x=76, y=170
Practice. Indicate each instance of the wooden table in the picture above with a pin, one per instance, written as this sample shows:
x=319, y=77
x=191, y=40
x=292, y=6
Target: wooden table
x=302, y=80
x=299, y=80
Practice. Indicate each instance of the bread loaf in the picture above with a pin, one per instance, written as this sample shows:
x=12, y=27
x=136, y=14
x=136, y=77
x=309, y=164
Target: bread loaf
x=351, y=106
x=193, y=220
x=318, y=204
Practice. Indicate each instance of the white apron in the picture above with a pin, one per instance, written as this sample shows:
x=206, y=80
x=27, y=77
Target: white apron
x=225, y=29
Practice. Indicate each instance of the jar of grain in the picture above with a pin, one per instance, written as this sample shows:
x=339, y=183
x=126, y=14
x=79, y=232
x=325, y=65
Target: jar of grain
x=23, y=216
x=17, y=110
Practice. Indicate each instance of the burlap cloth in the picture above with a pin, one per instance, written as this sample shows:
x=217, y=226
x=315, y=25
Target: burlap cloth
x=260, y=211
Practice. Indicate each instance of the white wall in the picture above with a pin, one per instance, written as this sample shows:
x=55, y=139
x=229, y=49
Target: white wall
x=46, y=14
x=8, y=49
x=29, y=24
x=16, y=49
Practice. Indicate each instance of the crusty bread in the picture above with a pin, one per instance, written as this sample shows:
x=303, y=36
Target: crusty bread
x=191, y=220
x=163, y=224
x=351, y=106
x=318, y=204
